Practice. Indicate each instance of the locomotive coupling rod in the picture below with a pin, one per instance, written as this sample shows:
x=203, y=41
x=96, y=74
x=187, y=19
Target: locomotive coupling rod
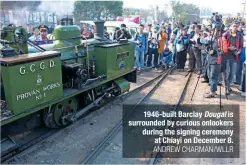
x=75, y=116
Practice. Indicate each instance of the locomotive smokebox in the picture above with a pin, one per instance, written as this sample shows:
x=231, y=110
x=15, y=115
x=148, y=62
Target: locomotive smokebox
x=99, y=30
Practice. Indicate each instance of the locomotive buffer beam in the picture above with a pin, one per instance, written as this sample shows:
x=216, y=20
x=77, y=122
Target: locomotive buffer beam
x=96, y=103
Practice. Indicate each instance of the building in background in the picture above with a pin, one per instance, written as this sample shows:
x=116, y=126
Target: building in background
x=23, y=18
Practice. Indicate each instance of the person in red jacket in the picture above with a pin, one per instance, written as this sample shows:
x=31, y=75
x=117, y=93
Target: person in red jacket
x=231, y=45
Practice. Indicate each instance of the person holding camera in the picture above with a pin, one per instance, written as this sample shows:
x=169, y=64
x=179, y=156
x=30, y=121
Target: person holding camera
x=122, y=33
x=182, y=42
x=214, y=63
x=141, y=40
x=154, y=38
x=232, y=43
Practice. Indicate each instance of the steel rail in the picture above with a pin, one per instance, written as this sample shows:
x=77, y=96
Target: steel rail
x=111, y=134
x=152, y=161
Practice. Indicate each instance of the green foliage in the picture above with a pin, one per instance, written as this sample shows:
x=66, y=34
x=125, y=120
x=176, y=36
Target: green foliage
x=184, y=12
x=15, y=5
x=95, y=10
x=131, y=11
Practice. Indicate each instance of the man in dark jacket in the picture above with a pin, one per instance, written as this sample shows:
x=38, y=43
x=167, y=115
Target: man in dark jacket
x=232, y=46
x=214, y=63
x=122, y=33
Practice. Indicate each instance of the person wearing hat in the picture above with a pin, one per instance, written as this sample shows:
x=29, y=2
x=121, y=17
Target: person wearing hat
x=122, y=33
x=44, y=32
x=182, y=41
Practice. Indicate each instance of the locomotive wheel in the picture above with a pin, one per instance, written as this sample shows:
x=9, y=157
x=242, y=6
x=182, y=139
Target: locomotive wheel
x=63, y=109
x=59, y=112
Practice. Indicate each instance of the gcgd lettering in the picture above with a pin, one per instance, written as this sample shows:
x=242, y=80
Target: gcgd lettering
x=33, y=68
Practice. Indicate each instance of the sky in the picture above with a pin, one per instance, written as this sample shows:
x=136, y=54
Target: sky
x=225, y=6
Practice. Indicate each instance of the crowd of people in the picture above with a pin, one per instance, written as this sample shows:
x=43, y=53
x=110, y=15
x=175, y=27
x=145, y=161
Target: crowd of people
x=215, y=52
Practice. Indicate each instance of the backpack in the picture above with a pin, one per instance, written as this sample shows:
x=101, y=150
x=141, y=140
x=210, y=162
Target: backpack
x=157, y=39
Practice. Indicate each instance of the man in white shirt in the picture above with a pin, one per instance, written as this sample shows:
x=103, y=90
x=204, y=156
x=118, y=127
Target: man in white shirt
x=195, y=59
x=153, y=38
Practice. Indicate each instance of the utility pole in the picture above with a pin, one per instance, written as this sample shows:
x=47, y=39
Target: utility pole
x=244, y=9
x=156, y=14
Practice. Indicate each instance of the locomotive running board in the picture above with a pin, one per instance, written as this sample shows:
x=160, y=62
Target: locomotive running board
x=75, y=116
x=7, y=144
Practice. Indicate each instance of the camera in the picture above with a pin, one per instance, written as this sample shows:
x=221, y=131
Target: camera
x=217, y=22
x=235, y=52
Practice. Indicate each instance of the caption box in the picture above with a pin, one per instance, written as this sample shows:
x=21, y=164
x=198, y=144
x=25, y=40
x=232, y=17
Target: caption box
x=192, y=131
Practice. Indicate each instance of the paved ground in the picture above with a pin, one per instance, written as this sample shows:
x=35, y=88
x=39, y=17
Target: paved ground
x=234, y=98
x=164, y=95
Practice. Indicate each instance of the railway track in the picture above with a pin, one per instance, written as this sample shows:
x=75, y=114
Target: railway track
x=181, y=95
x=11, y=154
x=101, y=146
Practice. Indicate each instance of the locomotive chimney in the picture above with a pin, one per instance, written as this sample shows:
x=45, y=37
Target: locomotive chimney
x=99, y=30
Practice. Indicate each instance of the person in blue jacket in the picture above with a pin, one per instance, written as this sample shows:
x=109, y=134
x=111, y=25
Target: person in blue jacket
x=182, y=42
x=166, y=58
x=242, y=60
x=141, y=48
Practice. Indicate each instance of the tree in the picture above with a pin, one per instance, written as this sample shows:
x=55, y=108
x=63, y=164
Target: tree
x=17, y=5
x=184, y=12
x=162, y=16
x=92, y=10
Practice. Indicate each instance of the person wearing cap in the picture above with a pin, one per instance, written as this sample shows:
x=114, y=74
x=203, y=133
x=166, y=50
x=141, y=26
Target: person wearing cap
x=122, y=33
x=182, y=41
x=36, y=36
x=44, y=32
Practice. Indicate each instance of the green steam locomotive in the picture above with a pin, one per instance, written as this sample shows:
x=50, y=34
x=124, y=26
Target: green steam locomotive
x=57, y=83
